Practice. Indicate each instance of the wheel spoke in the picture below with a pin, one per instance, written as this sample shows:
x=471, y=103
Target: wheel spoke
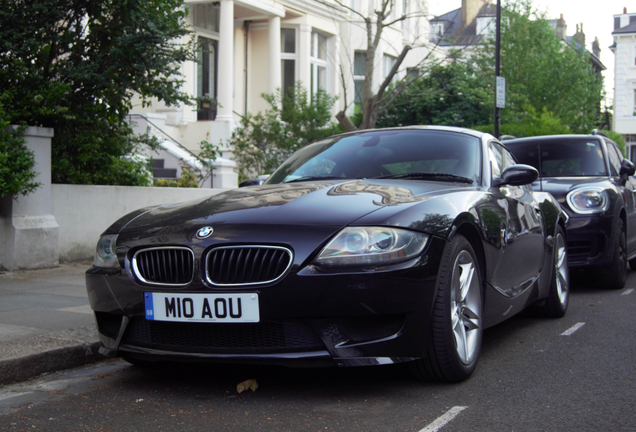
x=465, y=279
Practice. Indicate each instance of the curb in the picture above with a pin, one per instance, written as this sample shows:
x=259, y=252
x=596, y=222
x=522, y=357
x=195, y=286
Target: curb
x=30, y=366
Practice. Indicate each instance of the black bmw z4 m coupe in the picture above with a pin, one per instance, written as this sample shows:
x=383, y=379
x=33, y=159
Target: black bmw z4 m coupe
x=366, y=248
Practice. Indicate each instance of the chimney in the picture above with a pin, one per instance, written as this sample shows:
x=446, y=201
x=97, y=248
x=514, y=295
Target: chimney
x=470, y=9
x=561, y=28
x=596, y=48
x=579, y=36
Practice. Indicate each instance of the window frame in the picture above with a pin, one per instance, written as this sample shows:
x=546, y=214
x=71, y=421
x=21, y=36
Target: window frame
x=358, y=78
x=315, y=62
x=286, y=56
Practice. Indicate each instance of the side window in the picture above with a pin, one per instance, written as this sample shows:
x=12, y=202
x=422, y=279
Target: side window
x=509, y=159
x=495, y=154
x=614, y=158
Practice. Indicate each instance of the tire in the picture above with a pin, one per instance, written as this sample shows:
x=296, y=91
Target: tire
x=556, y=304
x=455, y=330
x=617, y=270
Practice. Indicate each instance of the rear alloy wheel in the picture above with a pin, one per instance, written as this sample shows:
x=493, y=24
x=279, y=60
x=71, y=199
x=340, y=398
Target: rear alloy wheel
x=617, y=270
x=456, y=329
x=557, y=302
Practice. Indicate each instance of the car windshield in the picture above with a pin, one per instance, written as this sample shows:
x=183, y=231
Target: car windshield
x=406, y=154
x=572, y=157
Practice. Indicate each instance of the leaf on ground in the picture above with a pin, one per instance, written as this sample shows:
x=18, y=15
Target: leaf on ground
x=249, y=384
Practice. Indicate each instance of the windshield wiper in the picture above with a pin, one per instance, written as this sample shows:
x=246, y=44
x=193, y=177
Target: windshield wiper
x=308, y=178
x=427, y=176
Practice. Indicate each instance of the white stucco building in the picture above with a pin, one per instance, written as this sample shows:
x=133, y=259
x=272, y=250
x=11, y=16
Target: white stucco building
x=624, y=49
x=252, y=47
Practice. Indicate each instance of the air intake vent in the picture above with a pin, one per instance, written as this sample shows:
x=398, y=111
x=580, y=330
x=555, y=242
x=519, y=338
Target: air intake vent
x=164, y=266
x=247, y=265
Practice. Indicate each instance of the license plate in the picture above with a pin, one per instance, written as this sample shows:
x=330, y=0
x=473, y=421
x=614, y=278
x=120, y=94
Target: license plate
x=235, y=308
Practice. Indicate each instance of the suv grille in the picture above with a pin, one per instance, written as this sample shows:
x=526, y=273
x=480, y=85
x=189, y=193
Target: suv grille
x=245, y=265
x=164, y=265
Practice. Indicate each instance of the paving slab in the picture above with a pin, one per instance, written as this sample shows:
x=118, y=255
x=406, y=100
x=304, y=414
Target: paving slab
x=46, y=323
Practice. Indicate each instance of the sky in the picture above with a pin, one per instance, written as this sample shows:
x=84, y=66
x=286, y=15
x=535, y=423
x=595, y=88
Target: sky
x=597, y=19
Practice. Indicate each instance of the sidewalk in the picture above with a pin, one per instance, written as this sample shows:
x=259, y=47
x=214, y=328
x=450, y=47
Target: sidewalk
x=46, y=323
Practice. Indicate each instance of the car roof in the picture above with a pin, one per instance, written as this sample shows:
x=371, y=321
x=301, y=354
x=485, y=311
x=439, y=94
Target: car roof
x=466, y=131
x=552, y=138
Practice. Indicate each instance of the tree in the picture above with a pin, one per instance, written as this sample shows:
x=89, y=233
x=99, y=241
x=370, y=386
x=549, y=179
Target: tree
x=16, y=161
x=264, y=140
x=448, y=95
x=75, y=66
x=374, y=25
x=541, y=71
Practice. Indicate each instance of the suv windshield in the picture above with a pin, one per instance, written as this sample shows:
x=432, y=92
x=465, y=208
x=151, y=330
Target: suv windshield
x=415, y=154
x=563, y=157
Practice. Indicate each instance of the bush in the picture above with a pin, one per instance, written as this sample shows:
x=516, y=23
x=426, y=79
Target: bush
x=16, y=161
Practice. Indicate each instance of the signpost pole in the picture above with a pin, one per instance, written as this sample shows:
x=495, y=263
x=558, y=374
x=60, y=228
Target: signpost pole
x=497, y=49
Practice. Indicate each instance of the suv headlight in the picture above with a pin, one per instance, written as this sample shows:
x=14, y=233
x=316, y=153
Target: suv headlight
x=371, y=246
x=106, y=255
x=588, y=200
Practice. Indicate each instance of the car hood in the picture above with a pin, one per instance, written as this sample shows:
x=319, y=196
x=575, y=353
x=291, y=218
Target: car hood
x=315, y=203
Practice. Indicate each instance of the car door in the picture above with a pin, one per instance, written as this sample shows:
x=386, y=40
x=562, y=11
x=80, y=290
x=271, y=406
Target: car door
x=628, y=190
x=522, y=239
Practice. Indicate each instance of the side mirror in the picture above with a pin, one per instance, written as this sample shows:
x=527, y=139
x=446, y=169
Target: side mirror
x=627, y=169
x=517, y=175
x=251, y=182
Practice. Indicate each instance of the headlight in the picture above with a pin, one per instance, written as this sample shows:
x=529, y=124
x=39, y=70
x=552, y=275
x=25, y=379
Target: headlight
x=588, y=200
x=106, y=256
x=372, y=245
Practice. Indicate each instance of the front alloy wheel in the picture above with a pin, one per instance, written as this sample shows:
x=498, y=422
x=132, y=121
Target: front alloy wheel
x=456, y=327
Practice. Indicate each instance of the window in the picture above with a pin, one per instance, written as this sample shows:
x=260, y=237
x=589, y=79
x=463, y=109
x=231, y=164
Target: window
x=206, y=77
x=288, y=55
x=206, y=16
x=496, y=160
x=615, y=158
x=413, y=72
x=486, y=26
x=634, y=103
x=318, y=62
x=359, y=67
x=389, y=61
x=437, y=30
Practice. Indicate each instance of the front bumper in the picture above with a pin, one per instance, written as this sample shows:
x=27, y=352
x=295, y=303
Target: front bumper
x=308, y=317
x=590, y=240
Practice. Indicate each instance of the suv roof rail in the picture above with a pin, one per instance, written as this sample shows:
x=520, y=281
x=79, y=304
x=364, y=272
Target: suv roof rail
x=599, y=132
x=507, y=137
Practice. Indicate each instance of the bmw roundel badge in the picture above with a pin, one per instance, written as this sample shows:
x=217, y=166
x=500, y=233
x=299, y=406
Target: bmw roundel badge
x=205, y=232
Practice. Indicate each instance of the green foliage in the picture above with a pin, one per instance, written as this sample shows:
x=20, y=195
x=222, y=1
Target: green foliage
x=530, y=124
x=16, y=161
x=618, y=139
x=541, y=71
x=264, y=140
x=75, y=66
x=450, y=95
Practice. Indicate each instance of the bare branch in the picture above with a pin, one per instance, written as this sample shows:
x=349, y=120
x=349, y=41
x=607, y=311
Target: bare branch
x=346, y=122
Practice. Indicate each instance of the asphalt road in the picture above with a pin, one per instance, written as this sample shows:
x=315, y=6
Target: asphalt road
x=577, y=373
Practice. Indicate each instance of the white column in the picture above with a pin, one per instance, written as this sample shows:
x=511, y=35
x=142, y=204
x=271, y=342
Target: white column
x=304, y=51
x=274, y=54
x=226, y=62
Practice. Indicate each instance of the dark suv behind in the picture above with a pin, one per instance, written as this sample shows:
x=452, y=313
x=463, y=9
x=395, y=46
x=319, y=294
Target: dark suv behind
x=593, y=182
